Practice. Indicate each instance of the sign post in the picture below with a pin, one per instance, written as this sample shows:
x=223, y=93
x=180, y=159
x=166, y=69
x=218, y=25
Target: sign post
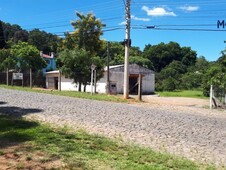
x=93, y=67
x=18, y=76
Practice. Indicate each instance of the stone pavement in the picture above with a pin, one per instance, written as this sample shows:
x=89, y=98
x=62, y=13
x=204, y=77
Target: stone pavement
x=195, y=133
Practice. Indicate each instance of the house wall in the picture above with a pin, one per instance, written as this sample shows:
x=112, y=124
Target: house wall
x=51, y=64
x=148, y=82
x=116, y=77
x=67, y=84
x=50, y=82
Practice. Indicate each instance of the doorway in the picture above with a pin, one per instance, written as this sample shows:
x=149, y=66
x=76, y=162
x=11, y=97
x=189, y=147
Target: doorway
x=133, y=84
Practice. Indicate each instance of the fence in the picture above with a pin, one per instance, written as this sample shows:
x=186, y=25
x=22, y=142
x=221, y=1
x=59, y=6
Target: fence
x=38, y=79
x=217, y=97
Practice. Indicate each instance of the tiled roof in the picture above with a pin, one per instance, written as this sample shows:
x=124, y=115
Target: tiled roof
x=46, y=56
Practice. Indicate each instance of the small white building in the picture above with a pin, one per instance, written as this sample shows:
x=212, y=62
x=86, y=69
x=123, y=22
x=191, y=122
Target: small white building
x=116, y=79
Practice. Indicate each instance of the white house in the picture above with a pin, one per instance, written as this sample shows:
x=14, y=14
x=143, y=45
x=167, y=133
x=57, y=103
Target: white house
x=116, y=78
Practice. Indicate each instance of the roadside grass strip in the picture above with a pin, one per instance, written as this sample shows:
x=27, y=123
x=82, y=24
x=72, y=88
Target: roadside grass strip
x=80, y=150
x=84, y=95
x=183, y=93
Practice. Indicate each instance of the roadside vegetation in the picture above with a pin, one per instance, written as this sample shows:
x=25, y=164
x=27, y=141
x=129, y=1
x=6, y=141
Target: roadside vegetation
x=183, y=93
x=37, y=145
x=101, y=97
x=105, y=97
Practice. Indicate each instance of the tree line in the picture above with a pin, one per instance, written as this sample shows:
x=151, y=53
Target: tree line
x=176, y=67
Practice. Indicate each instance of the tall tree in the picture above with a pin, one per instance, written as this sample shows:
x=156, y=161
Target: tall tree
x=27, y=56
x=2, y=39
x=88, y=30
x=77, y=65
x=9, y=30
x=44, y=41
x=6, y=60
x=162, y=55
x=20, y=35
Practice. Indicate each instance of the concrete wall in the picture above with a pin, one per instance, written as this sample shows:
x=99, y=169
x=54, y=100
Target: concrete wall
x=50, y=83
x=148, y=81
x=67, y=84
x=116, y=77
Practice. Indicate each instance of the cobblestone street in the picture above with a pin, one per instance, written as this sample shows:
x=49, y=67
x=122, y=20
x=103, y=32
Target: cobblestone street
x=196, y=133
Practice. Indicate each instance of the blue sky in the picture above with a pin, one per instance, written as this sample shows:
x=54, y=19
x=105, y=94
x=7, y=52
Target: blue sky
x=55, y=16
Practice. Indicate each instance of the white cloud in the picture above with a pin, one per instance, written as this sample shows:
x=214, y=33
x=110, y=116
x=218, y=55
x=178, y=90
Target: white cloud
x=158, y=11
x=189, y=8
x=122, y=23
x=139, y=19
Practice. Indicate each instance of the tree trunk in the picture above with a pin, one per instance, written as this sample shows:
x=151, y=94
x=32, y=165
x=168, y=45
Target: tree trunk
x=79, y=86
x=84, y=89
x=7, y=76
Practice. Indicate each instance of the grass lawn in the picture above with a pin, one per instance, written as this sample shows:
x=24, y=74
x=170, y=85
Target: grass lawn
x=102, y=97
x=43, y=146
x=183, y=93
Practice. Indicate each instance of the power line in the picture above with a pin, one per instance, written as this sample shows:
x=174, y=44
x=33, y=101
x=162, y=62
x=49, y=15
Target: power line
x=124, y=3
x=180, y=29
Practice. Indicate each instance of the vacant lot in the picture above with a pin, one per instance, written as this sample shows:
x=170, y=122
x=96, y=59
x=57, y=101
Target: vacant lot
x=196, y=133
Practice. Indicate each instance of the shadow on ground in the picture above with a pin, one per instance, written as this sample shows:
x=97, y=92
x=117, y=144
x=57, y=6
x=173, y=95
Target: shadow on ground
x=17, y=111
x=13, y=128
x=1, y=102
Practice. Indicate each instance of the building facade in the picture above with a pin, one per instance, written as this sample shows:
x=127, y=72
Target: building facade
x=116, y=77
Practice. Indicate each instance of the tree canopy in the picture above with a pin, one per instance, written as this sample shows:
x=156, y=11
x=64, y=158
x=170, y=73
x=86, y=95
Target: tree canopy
x=88, y=30
x=44, y=41
x=163, y=54
x=77, y=65
x=2, y=38
x=27, y=56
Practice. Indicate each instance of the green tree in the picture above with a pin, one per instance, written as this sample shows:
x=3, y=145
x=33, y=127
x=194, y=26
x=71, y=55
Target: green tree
x=20, y=35
x=144, y=62
x=169, y=84
x=6, y=60
x=171, y=73
x=194, y=78
x=162, y=55
x=2, y=38
x=9, y=30
x=77, y=66
x=215, y=75
x=27, y=56
x=191, y=80
x=88, y=31
x=44, y=41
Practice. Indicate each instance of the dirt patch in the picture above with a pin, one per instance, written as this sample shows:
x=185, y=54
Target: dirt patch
x=21, y=156
x=176, y=101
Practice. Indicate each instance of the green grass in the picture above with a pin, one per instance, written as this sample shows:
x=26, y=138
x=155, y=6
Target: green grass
x=80, y=150
x=183, y=93
x=102, y=97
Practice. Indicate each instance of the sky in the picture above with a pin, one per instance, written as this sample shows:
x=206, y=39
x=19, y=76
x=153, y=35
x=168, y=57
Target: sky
x=191, y=23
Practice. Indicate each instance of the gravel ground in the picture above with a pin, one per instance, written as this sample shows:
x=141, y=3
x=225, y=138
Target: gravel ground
x=196, y=133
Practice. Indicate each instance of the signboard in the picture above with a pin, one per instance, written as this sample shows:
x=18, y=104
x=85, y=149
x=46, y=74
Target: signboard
x=221, y=24
x=17, y=76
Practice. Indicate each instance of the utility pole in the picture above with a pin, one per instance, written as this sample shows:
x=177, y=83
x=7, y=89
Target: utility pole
x=30, y=78
x=108, y=71
x=127, y=45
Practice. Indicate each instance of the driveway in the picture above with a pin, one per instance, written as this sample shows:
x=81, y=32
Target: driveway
x=195, y=133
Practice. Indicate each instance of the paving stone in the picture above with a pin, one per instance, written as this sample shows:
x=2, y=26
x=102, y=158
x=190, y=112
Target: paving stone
x=198, y=134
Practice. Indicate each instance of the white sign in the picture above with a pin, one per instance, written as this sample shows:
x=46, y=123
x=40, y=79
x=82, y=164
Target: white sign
x=17, y=76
